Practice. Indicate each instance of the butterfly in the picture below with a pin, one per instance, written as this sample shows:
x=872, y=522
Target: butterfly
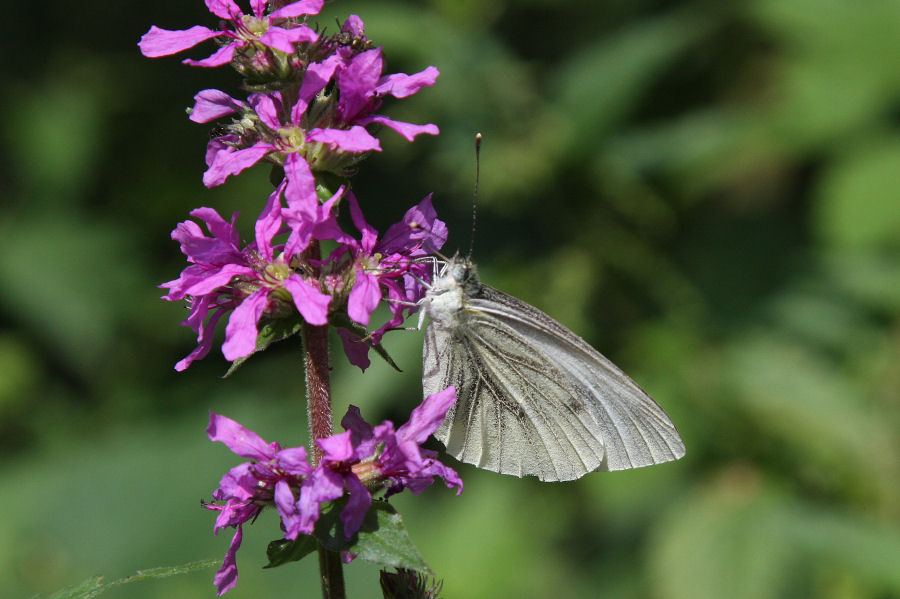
x=533, y=397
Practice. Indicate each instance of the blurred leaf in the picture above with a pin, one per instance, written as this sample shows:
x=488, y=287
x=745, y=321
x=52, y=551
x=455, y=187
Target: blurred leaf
x=20, y=370
x=866, y=547
x=95, y=586
x=60, y=128
x=824, y=420
x=826, y=90
x=869, y=277
x=857, y=197
x=72, y=282
x=599, y=85
x=724, y=541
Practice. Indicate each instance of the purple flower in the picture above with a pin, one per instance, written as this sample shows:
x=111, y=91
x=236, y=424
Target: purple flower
x=273, y=477
x=258, y=280
x=363, y=458
x=358, y=461
x=388, y=268
x=361, y=86
x=251, y=35
x=312, y=130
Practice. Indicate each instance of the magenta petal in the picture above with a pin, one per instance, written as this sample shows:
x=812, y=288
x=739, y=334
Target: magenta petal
x=287, y=509
x=326, y=226
x=355, y=140
x=357, y=505
x=407, y=130
x=310, y=302
x=204, y=340
x=321, y=486
x=267, y=109
x=258, y=7
x=241, y=331
x=354, y=25
x=268, y=224
x=300, y=193
x=337, y=448
x=356, y=349
x=211, y=104
x=369, y=234
x=356, y=83
x=316, y=78
x=296, y=9
x=223, y=143
x=217, y=278
x=420, y=225
x=163, y=42
x=278, y=38
x=229, y=162
x=401, y=85
x=221, y=56
x=427, y=417
x=301, y=34
x=220, y=228
x=294, y=461
x=224, y=9
x=238, y=439
x=364, y=298
x=227, y=576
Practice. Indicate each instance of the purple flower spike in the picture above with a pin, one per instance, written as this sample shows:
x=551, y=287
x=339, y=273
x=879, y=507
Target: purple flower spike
x=258, y=280
x=248, y=32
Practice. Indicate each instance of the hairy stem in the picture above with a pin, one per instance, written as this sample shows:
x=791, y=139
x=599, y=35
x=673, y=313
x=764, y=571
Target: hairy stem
x=318, y=405
x=318, y=385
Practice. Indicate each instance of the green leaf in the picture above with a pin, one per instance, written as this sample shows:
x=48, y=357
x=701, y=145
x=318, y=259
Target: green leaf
x=283, y=551
x=94, y=586
x=382, y=539
x=271, y=331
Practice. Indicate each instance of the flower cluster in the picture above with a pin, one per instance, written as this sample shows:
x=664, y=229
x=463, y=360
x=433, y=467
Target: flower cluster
x=358, y=461
x=313, y=97
x=268, y=280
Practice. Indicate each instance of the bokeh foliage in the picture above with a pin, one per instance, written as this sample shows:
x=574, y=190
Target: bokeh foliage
x=707, y=191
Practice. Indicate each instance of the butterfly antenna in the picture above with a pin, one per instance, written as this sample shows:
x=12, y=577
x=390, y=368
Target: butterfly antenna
x=475, y=193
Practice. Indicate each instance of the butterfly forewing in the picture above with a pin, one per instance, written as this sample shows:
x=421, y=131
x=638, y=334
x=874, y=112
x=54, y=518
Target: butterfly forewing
x=533, y=397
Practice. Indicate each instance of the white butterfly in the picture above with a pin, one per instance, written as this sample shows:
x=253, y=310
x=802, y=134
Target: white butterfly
x=533, y=397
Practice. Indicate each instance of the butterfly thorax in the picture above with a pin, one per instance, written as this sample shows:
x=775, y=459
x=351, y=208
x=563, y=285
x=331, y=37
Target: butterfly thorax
x=446, y=299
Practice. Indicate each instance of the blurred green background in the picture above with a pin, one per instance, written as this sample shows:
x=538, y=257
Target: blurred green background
x=707, y=191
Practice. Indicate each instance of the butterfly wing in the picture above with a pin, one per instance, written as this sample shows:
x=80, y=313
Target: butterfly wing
x=534, y=398
x=512, y=414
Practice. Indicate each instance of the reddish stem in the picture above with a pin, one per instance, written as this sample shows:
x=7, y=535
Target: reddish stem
x=318, y=406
